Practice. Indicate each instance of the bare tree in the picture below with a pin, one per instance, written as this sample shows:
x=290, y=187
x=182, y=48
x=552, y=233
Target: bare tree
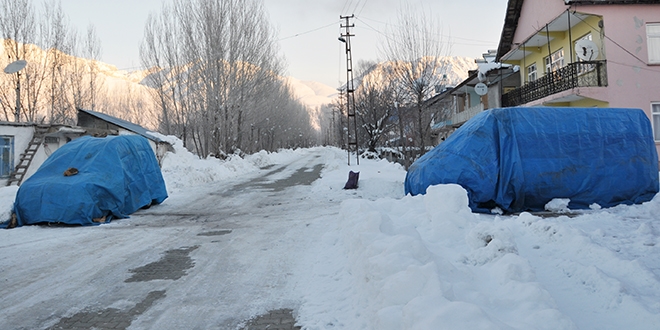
x=55, y=35
x=215, y=73
x=416, y=50
x=62, y=72
x=17, y=25
x=373, y=102
x=93, y=54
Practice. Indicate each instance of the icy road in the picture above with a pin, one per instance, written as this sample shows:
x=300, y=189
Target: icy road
x=209, y=257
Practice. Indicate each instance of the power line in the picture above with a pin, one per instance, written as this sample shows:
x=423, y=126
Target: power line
x=481, y=43
x=310, y=31
x=356, y=6
x=347, y=5
x=445, y=36
x=634, y=66
x=614, y=42
x=376, y=30
x=361, y=9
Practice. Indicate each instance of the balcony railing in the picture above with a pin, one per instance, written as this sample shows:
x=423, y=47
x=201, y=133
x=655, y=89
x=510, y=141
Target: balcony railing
x=465, y=115
x=579, y=74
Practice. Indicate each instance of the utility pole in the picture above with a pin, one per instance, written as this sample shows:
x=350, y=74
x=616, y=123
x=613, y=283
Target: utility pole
x=352, y=142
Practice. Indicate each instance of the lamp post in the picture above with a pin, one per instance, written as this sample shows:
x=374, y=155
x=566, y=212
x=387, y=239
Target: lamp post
x=16, y=67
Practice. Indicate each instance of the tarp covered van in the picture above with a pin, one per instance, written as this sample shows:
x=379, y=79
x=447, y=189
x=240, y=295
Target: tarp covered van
x=519, y=159
x=90, y=181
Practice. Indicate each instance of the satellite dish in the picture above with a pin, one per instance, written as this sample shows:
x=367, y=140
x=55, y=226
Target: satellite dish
x=586, y=50
x=15, y=66
x=481, y=89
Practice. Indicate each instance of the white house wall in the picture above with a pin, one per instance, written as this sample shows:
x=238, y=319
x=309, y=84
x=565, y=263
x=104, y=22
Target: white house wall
x=22, y=135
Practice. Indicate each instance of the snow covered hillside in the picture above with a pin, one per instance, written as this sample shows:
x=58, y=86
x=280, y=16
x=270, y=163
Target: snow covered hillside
x=382, y=260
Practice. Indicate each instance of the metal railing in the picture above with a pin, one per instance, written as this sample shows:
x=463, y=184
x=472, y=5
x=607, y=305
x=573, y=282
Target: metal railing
x=579, y=74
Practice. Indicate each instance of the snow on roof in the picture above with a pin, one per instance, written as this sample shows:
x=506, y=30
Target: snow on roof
x=72, y=130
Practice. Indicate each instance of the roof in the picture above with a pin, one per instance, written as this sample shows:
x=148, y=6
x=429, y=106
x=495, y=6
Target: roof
x=510, y=25
x=135, y=128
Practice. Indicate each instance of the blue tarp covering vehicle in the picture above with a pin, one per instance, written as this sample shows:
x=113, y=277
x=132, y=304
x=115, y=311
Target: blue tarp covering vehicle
x=519, y=159
x=105, y=178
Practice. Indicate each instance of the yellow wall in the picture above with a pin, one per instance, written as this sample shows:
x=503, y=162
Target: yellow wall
x=561, y=41
x=588, y=103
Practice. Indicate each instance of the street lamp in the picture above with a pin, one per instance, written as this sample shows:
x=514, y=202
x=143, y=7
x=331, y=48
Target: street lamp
x=15, y=67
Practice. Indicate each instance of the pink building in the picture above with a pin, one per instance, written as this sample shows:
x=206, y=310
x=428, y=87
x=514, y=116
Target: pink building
x=581, y=53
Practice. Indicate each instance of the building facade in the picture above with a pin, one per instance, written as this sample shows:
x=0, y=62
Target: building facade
x=584, y=54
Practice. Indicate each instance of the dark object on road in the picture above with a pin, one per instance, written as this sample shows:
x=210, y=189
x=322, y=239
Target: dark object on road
x=352, y=182
x=519, y=159
x=117, y=175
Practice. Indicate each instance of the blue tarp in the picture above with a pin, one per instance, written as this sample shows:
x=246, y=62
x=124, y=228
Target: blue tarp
x=117, y=175
x=519, y=159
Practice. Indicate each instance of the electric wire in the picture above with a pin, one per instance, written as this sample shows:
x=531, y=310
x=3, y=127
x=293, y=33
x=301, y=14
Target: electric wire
x=484, y=44
x=361, y=9
x=477, y=42
x=310, y=31
x=347, y=5
x=623, y=48
x=357, y=4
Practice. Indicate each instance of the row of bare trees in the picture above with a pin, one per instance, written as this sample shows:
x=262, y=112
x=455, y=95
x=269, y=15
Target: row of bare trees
x=216, y=77
x=391, y=97
x=55, y=81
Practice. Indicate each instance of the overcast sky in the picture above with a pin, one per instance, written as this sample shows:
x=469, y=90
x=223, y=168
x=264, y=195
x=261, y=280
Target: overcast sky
x=307, y=29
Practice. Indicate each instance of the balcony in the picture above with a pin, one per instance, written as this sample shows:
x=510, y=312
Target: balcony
x=463, y=116
x=579, y=74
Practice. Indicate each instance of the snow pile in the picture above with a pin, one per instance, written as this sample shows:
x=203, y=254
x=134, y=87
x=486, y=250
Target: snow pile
x=7, y=196
x=182, y=168
x=559, y=205
x=427, y=262
x=378, y=178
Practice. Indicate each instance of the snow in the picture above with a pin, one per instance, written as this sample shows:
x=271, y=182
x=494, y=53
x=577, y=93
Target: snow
x=560, y=205
x=389, y=261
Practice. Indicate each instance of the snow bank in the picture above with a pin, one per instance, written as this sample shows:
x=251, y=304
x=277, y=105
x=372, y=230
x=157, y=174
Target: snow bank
x=378, y=178
x=182, y=168
x=7, y=196
x=427, y=262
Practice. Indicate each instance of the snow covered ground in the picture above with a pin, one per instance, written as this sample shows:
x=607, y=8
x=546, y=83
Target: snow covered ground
x=376, y=259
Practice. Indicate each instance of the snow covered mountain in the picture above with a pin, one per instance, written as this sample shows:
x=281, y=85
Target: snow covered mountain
x=123, y=93
x=312, y=93
x=315, y=94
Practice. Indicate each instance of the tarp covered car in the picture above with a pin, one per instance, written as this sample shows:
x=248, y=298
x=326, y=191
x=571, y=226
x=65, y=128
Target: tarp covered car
x=105, y=178
x=519, y=159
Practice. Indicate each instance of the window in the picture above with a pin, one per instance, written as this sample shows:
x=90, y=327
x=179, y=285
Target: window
x=531, y=73
x=6, y=155
x=555, y=61
x=655, y=113
x=653, y=42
